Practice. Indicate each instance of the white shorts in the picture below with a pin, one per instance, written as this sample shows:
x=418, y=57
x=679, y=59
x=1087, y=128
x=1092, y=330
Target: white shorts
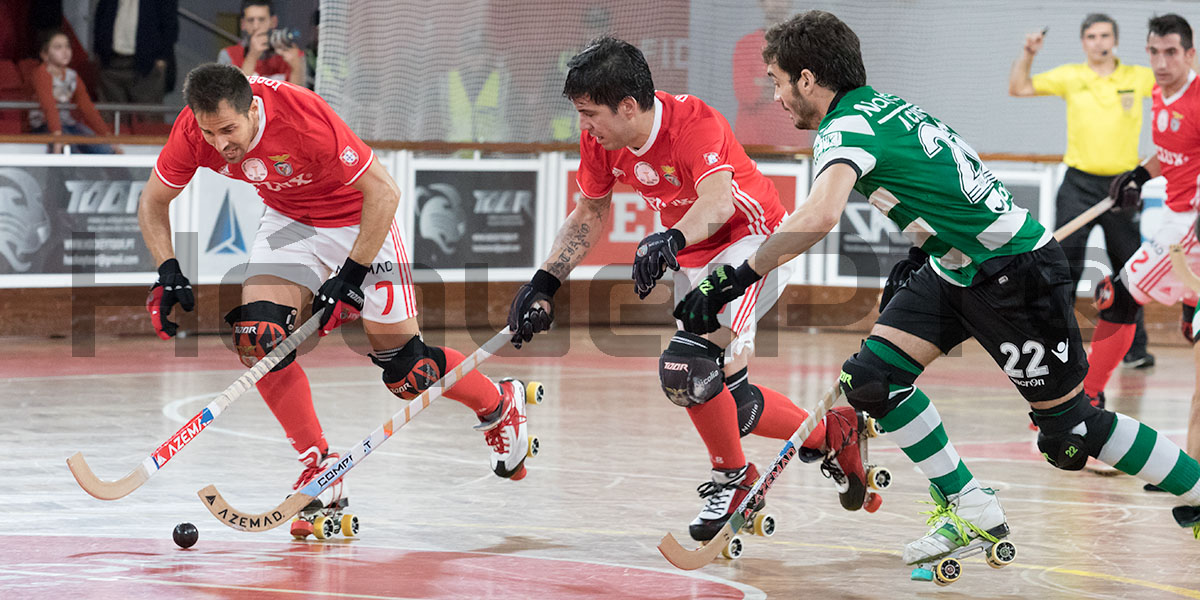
x=741, y=315
x=308, y=255
x=1148, y=273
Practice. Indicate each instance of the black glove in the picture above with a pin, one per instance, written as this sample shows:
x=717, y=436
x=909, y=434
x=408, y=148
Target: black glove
x=171, y=288
x=1126, y=188
x=341, y=297
x=526, y=317
x=900, y=274
x=698, y=310
x=654, y=256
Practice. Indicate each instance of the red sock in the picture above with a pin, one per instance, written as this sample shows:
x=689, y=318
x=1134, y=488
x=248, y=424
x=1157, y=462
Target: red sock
x=1110, y=342
x=474, y=389
x=781, y=418
x=717, y=423
x=289, y=397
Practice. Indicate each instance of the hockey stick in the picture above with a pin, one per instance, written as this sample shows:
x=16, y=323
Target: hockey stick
x=1179, y=264
x=694, y=559
x=291, y=505
x=1084, y=218
x=113, y=490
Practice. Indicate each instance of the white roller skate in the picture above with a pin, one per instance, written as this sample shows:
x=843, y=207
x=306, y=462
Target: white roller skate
x=723, y=494
x=326, y=515
x=963, y=524
x=507, y=433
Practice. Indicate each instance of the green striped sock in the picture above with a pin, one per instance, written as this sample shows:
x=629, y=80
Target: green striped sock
x=1137, y=449
x=916, y=427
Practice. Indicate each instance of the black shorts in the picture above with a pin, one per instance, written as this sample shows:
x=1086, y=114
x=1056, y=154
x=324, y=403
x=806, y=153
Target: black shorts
x=1020, y=310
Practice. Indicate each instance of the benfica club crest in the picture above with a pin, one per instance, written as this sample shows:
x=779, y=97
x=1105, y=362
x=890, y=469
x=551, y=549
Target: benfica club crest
x=281, y=165
x=669, y=175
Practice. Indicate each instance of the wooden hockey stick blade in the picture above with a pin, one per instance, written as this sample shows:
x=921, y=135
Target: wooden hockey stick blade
x=1182, y=271
x=216, y=504
x=1084, y=218
x=114, y=490
x=690, y=560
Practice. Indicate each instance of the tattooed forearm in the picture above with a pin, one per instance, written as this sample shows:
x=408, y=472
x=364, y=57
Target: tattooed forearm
x=576, y=238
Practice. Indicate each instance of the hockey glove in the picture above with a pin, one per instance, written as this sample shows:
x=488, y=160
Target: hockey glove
x=340, y=297
x=900, y=273
x=654, y=256
x=171, y=288
x=699, y=309
x=526, y=316
x=1126, y=189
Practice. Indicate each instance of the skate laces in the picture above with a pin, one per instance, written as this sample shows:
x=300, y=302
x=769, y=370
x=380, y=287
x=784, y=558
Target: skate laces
x=718, y=494
x=311, y=471
x=831, y=470
x=496, y=438
x=944, y=514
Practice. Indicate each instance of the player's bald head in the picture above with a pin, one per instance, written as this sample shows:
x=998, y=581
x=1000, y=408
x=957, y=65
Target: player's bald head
x=207, y=85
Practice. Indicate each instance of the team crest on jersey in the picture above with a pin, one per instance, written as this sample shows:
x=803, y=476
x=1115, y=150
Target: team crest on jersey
x=645, y=173
x=1127, y=99
x=281, y=165
x=710, y=158
x=669, y=174
x=255, y=169
x=349, y=156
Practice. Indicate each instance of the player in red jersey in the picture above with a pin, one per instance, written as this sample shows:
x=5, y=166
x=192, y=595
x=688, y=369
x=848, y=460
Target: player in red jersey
x=330, y=208
x=682, y=158
x=1175, y=121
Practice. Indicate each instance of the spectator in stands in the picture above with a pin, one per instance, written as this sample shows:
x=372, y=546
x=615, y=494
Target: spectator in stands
x=260, y=53
x=135, y=41
x=476, y=93
x=310, y=51
x=53, y=83
x=757, y=120
x=1104, y=99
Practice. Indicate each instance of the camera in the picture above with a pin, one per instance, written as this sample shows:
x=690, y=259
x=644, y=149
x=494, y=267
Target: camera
x=284, y=36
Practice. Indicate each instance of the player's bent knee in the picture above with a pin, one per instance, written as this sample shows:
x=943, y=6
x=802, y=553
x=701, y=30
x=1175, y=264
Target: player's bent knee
x=412, y=368
x=258, y=327
x=1068, y=434
x=1115, y=302
x=866, y=381
x=690, y=370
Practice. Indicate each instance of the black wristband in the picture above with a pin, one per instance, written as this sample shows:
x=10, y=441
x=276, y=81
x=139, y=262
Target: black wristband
x=1141, y=176
x=545, y=283
x=745, y=275
x=354, y=273
x=169, y=267
x=677, y=237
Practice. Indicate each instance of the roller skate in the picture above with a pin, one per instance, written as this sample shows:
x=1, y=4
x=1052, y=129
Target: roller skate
x=845, y=461
x=326, y=515
x=507, y=433
x=1188, y=516
x=964, y=524
x=723, y=494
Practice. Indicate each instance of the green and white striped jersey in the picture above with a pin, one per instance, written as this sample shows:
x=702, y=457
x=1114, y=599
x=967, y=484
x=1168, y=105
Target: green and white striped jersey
x=926, y=179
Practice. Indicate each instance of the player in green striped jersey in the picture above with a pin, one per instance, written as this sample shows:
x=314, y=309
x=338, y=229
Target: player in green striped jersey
x=986, y=270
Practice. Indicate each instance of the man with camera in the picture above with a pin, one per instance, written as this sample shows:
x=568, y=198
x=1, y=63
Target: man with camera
x=265, y=50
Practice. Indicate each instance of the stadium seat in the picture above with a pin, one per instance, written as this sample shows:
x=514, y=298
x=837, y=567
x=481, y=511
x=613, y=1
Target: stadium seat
x=12, y=88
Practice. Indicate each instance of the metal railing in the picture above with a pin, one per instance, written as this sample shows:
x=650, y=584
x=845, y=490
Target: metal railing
x=116, y=108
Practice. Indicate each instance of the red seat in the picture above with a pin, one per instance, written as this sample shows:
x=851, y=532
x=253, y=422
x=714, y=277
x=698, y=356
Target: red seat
x=12, y=87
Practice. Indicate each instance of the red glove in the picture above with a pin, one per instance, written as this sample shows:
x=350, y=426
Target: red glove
x=171, y=288
x=340, y=297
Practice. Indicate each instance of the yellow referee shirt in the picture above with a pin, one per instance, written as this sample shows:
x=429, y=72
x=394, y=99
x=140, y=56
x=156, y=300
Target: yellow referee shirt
x=1104, y=114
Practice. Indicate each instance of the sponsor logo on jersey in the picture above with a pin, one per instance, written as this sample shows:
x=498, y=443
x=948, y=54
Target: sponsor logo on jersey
x=618, y=172
x=669, y=174
x=255, y=169
x=1061, y=351
x=185, y=434
x=281, y=165
x=710, y=158
x=226, y=236
x=275, y=186
x=1171, y=158
x=349, y=156
x=267, y=81
x=24, y=225
x=826, y=141
x=225, y=170
x=645, y=173
x=682, y=97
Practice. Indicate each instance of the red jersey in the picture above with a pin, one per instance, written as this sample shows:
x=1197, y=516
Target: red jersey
x=1176, y=122
x=303, y=159
x=690, y=141
x=273, y=66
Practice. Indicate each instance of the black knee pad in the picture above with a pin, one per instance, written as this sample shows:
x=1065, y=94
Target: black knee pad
x=749, y=401
x=260, y=326
x=1115, y=302
x=1071, y=432
x=866, y=379
x=1185, y=323
x=690, y=369
x=412, y=368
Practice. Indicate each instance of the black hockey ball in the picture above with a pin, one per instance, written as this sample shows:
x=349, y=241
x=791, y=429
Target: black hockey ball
x=185, y=535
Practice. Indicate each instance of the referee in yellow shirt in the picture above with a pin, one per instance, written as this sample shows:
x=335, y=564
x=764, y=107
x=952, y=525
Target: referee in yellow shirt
x=1104, y=120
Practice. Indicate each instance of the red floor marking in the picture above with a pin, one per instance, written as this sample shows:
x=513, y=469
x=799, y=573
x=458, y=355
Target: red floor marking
x=83, y=567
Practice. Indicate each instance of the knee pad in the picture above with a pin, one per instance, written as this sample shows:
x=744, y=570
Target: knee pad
x=1115, y=302
x=412, y=368
x=1068, y=434
x=749, y=401
x=260, y=326
x=1185, y=323
x=866, y=379
x=690, y=370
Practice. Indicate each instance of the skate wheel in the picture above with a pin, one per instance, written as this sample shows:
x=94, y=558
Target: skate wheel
x=764, y=525
x=733, y=549
x=349, y=525
x=534, y=446
x=879, y=478
x=873, y=428
x=534, y=392
x=301, y=529
x=920, y=574
x=947, y=572
x=519, y=474
x=1001, y=554
x=323, y=527
x=337, y=524
x=874, y=501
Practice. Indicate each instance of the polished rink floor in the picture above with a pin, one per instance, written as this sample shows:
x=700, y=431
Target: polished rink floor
x=618, y=468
